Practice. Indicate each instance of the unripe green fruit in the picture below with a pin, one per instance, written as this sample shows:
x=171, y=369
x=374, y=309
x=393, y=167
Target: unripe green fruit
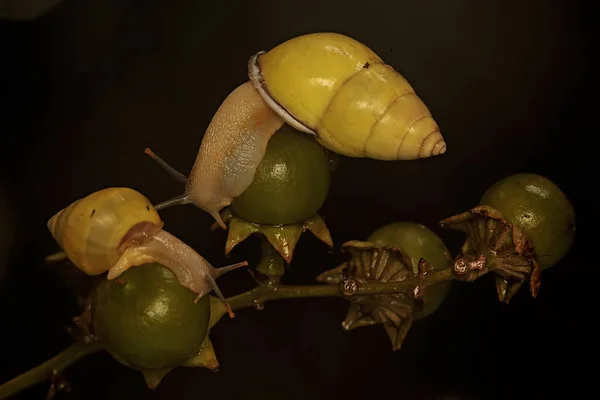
x=291, y=182
x=540, y=209
x=416, y=241
x=147, y=320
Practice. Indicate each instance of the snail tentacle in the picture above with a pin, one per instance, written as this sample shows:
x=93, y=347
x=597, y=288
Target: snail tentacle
x=172, y=171
x=218, y=292
x=175, y=201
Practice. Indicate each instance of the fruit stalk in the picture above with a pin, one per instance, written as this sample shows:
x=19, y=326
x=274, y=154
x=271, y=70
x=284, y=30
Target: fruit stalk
x=261, y=294
x=255, y=297
x=270, y=268
x=46, y=371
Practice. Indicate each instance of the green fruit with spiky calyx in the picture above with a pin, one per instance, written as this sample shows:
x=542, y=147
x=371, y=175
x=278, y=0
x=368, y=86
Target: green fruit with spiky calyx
x=540, y=209
x=418, y=241
x=291, y=181
x=147, y=320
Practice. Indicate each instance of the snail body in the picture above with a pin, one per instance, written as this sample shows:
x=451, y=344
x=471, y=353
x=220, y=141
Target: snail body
x=114, y=229
x=231, y=149
x=326, y=85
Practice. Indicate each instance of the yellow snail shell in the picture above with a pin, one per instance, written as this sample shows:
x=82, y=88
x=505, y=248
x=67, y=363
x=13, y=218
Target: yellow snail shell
x=114, y=229
x=324, y=84
x=337, y=88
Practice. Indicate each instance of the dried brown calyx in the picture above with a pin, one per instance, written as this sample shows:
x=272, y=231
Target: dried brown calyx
x=494, y=244
x=370, y=263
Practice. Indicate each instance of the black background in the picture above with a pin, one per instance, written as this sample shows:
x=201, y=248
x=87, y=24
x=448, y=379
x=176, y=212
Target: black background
x=91, y=84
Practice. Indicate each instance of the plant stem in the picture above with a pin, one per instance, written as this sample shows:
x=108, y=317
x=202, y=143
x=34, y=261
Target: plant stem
x=46, y=370
x=253, y=298
x=270, y=267
x=261, y=294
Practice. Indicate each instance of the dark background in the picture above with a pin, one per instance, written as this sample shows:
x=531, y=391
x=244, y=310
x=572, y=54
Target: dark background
x=92, y=83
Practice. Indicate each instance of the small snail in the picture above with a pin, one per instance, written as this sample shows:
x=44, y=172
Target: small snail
x=117, y=228
x=324, y=84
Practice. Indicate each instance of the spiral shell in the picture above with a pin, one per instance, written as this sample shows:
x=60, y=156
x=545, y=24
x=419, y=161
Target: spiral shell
x=95, y=230
x=337, y=88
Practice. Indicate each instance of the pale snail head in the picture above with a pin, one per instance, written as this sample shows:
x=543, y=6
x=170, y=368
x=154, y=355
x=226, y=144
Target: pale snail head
x=114, y=229
x=324, y=84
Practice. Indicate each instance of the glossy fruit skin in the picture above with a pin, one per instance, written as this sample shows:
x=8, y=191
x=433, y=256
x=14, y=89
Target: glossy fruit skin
x=147, y=320
x=540, y=209
x=417, y=240
x=291, y=182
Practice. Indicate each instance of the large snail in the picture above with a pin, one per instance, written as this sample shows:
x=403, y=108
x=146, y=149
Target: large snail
x=117, y=228
x=324, y=84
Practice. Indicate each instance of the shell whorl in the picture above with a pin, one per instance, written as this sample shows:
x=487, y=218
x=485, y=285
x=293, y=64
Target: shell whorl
x=93, y=230
x=341, y=90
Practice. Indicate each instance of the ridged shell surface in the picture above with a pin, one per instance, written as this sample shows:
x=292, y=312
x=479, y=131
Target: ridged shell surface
x=91, y=229
x=339, y=89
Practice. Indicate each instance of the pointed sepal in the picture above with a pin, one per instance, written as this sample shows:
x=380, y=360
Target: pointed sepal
x=283, y=238
x=318, y=227
x=205, y=358
x=153, y=377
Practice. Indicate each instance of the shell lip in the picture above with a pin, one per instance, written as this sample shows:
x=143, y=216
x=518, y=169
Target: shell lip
x=260, y=85
x=138, y=234
x=51, y=224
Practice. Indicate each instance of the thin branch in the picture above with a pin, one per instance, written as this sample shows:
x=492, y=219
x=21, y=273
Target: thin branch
x=261, y=294
x=252, y=298
x=47, y=370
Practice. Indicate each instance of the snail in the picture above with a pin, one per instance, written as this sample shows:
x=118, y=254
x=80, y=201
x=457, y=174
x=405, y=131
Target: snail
x=326, y=85
x=117, y=228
